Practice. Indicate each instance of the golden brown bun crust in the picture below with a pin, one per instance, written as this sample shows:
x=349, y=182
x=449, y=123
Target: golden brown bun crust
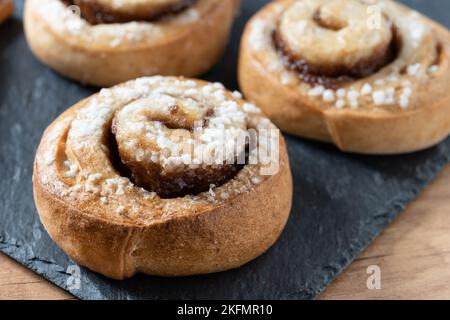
x=211, y=239
x=243, y=230
x=370, y=129
x=188, y=51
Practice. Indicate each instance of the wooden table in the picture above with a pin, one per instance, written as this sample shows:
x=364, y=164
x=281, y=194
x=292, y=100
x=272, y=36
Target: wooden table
x=413, y=254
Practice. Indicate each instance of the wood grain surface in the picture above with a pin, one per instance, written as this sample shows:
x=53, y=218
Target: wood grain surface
x=17, y=282
x=413, y=255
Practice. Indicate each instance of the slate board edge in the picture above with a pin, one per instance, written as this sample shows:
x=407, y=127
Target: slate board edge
x=361, y=247
x=54, y=272
x=31, y=262
x=392, y=212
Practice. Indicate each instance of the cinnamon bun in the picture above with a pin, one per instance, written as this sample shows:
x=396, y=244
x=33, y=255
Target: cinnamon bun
x=163, y=176
x=105, y=42
x=6, y=9
x=369, y=76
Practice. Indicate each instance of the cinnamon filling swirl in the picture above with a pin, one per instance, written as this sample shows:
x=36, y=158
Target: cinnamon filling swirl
x=331, y=42
x=108, y=11
x=173, y=145
x=169, y=184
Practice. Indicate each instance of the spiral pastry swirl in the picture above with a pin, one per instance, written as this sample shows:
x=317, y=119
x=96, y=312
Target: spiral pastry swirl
x=369, y=76
x=110, y=11
x=105, y=42
x=145, y=177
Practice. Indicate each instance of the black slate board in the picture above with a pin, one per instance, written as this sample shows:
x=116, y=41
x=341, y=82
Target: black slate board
x=341, y=201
